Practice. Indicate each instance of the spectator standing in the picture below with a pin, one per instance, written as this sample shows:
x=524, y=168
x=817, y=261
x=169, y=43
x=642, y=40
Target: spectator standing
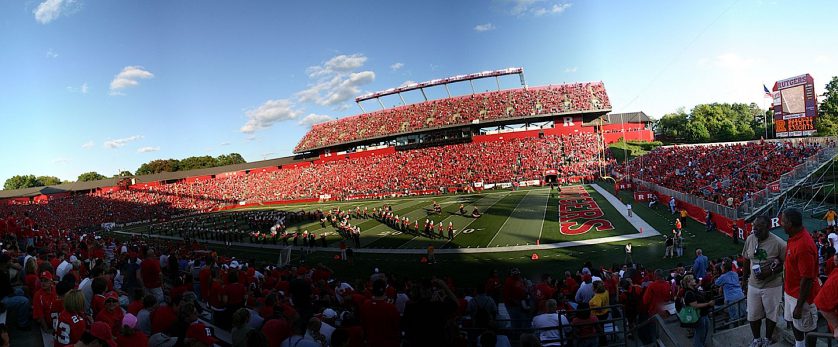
x=129, y=336
x=672, y=205
x=827, y=299
x=700, y=264
x=764, y=253
x=830, y=217
x=833, y=238
x=801, y=277
x=657, y=294
x=551, y=319
x=695, y=298
x=732, y=290
x=380, y=318
x=585, y=327
x=152, y=276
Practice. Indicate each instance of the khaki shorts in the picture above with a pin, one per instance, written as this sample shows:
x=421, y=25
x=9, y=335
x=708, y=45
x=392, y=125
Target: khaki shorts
x=764, y=303
x=807, y=322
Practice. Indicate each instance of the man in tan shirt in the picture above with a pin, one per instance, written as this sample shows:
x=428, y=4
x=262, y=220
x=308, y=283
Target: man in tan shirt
x=764, y=255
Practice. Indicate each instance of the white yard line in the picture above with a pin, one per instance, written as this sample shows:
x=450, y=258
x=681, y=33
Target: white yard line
x=458, y=231
x=508, y=218
x=544, y=217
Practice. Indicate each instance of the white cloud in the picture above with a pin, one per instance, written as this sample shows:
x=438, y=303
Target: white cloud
x=225, y=143
x=571, y=69
x=128, y=77
x=520, y=7
x=338, y=64
x=50, y=10
x=88, y=145
x=81, y=89
x=148, y=149
x=313, y=119
x=407, y=83
x=52, y=54
x=113, y=144
x=61, y=161
x=484, y=27
x=336, y=81
x=267, y=114
x=555, y=9
x=396, y=66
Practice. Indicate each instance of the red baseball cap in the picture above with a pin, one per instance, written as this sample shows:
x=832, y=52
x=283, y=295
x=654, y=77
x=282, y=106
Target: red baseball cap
x=102, y=331
x=46, y=275
x=200, y=332
x=112, y=296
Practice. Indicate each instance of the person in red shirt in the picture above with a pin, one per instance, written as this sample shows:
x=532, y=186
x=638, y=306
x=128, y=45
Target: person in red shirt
x=45, y=303
x=71, y=323
x=570, y=285
x=657, y=295
x=198, y=335
x=164, y=317
x=233, y=298
x=205, y=278
x=276, y=330
x=152, y=276
x=801, y=276
x=129, y=336
x=112, y=314
x=827, y=299
x=136, y=305
x=380, y=318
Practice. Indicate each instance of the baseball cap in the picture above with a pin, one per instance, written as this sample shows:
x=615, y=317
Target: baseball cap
x=329, y=313
x=102, y=331
x=129, y=320
x=161, y=340
x=234, y=264
x=200, y=332
x=46, y=275
x=586, y=277
x=112, y=296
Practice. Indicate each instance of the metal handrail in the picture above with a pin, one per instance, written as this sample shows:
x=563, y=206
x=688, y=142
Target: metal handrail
x=813, y=337
x=660, y=327
x=727, y=323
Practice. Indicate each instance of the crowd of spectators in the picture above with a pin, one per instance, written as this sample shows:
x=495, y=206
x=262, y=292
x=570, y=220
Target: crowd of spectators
x=82, y=286
x=461, y=110
x=726, y=174
x=434, y=168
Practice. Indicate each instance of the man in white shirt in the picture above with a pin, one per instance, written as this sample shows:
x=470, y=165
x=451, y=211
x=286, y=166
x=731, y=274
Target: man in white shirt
x=833, y=240
x=550, y=319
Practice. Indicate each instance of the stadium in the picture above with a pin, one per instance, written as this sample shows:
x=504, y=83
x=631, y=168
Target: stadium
x=499, y=214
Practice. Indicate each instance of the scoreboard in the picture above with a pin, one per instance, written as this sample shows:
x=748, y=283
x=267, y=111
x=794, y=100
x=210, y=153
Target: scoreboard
x=795, y=106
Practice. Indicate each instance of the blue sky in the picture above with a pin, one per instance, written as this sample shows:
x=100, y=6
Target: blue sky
x=108, y=85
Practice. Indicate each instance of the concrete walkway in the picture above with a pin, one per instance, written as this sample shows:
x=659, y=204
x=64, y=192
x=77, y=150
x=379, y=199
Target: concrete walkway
x=643, y=229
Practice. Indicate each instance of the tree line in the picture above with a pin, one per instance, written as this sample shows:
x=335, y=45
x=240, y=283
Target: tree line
x=719, y=122
x=152, y=167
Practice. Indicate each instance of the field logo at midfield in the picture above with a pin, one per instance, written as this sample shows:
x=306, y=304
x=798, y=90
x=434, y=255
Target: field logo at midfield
x=579, y=213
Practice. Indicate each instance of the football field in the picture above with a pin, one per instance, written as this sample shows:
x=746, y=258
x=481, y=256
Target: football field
x=508, y=218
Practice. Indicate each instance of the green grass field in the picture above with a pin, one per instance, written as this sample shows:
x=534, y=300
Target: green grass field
x=509, y=218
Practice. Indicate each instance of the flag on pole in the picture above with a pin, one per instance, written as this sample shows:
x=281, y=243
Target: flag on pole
x=767, y=92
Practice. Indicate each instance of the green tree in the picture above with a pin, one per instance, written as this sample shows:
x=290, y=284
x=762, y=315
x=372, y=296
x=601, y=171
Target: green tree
x=49, y=180
x=827, y=122
x=193, y=163
x=158, y=166
x=22, y=181
x=123, y=173
x=696, y=132
x=673, y=125
x=90, y=176
x=230, y=159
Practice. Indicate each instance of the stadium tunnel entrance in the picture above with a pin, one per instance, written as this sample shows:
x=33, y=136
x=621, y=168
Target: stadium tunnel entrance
x=551, y=176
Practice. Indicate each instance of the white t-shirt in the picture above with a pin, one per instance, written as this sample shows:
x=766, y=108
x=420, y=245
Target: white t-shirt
x=548, y=320
x=833, y=237
x=63, y=269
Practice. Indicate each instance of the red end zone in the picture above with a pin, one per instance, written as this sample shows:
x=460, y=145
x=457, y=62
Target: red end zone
x=579, y=212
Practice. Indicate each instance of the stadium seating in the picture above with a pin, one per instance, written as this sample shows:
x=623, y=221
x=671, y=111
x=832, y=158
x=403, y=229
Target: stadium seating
x=434, y=168
x=458, y=111
x=725, y=174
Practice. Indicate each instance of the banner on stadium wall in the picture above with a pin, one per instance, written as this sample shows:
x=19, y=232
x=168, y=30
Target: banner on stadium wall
x=488, y=186
x=108, y=226
x=325, y=196
x=774, y=187
x=551, y=172
x=478, y=184
x=505, y=185
x=642, y=196
x=532, y=183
